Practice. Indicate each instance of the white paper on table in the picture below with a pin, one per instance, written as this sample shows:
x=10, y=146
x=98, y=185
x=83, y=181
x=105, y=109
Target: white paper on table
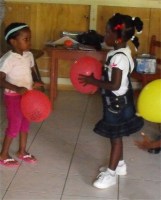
x=61, y=41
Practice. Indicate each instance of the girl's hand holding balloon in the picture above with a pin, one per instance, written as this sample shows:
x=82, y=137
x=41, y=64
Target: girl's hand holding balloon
x=85, y=80
x=84, y=74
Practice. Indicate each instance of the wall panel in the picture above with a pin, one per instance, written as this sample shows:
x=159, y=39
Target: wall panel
x=48, y=20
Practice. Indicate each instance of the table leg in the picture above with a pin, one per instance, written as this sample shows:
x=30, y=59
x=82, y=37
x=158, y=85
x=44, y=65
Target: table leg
x=55, y=87
x=53, y=79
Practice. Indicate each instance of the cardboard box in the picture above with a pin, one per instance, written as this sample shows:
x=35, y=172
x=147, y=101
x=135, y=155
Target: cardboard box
x=146, y=64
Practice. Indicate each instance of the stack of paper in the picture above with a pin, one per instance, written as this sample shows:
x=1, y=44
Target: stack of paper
x=61, y=41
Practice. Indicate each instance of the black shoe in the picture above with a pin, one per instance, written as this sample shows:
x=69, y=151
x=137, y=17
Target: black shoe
x=155, y=150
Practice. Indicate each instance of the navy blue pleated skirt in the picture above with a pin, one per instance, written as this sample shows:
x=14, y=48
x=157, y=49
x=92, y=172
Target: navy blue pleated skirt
x=123, y=123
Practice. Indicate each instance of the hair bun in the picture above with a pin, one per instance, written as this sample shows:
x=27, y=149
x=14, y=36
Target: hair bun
x=138, y=24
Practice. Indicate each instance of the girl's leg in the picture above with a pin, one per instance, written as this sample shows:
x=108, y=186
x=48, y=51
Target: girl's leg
x=116, y=153
x=108, y=178
x=22, y=143
x=12, y=129
x=5, y=158
x=22, y=153
x=5, y=147
x=116, y=157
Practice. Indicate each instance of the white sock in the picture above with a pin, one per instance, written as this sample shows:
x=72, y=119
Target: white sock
x=111, y=172
x=121, y=162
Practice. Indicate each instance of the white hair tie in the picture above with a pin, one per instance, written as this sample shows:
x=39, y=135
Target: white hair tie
x=132, y=38
x=133, y=18
x=139, y=32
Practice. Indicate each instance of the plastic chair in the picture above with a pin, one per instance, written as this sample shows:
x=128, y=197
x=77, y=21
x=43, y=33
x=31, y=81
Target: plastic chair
x=143, y=78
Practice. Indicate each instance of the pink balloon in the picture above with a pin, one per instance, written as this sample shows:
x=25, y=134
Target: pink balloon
x=86, y=66
x=35, y=106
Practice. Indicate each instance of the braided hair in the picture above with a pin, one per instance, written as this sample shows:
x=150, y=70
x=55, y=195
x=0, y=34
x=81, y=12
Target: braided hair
x=125, y=27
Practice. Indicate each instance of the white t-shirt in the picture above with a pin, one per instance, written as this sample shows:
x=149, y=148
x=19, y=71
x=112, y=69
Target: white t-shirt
x=18, y=69
x=124, y=63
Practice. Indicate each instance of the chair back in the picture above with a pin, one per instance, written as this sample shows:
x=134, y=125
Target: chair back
x=155, y=48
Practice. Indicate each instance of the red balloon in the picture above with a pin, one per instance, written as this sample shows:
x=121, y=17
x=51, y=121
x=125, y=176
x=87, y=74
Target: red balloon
x=86, y=66
x=35, y=105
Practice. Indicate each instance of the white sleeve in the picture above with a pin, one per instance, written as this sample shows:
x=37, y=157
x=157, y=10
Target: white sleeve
x=5, y=66
x=119, y=61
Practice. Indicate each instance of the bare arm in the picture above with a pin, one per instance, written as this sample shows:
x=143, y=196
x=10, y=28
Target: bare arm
x=7, y=85
x=37, y=82
x=34, y=75
x=114, y=84
x=147, y=143
x=155, y=144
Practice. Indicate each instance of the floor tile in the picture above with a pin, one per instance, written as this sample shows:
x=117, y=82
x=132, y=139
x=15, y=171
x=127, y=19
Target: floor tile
x=7, y=174
x=28, y=180
x=2, y=193
x=84, y=198
x=139, y=189
x=82, y=186
x=19, y=195
x=85, y=162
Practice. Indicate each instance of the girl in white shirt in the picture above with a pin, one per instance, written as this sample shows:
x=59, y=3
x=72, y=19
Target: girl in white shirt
x=119, y=118
x=17, y=75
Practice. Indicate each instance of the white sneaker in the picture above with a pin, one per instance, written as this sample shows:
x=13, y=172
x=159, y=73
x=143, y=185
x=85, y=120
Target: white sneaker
x=120, y=170
x=104, y=180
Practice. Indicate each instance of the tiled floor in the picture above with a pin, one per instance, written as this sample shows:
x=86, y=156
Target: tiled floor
x=69, y=155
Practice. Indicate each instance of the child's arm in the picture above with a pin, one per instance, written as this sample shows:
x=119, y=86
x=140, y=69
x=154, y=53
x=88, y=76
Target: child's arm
x=114, y=84
x=147, y=143
x=37, y=82
x=7, y=85
x=155, y=144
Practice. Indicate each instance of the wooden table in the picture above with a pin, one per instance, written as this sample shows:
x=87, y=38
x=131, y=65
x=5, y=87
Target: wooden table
x=56, y=54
